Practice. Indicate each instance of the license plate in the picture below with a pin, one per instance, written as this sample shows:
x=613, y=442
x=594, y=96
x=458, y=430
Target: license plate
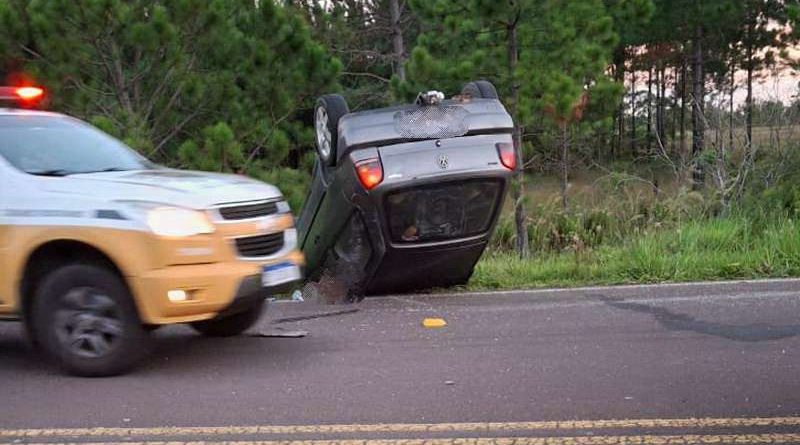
x=276, y=274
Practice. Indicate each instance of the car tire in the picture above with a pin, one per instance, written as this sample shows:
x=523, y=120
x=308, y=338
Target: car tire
x=327, y=112
x=230, y=325
x=480, y=89
x=84, y=319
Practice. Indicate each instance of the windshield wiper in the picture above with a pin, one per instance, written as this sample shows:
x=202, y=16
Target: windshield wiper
x=54, y=172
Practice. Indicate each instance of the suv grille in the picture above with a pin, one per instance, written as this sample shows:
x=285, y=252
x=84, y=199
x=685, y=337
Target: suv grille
x=249, y=210
x=260, y=246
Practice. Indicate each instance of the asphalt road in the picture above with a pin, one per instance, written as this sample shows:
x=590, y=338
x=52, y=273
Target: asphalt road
x=683, y=361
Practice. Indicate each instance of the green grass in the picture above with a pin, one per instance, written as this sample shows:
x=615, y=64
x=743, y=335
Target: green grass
x=710, y=249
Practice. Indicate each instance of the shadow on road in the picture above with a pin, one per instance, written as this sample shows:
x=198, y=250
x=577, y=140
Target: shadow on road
x=16, y=353
x=676, y=321
x=176, y=350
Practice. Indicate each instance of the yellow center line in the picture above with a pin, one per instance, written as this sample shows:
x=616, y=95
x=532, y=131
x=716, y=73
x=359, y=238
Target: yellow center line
x=583, y=440
x=475, y=427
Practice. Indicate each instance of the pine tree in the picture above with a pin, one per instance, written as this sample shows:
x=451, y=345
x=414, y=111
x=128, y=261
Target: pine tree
x=544, y=57
x=761, y=38
x=176, y=77
x=369, y=37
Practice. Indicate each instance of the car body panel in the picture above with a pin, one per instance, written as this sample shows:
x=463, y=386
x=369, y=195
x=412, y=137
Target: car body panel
x=419, y=160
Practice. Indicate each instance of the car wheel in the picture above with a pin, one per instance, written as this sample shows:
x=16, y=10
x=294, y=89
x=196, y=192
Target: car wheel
x=230, y=325
x=85, y=319
x=480, y=89
x=329, y=109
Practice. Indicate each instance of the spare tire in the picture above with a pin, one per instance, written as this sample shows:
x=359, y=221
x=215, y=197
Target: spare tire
x=327, y=112
x=480, y=89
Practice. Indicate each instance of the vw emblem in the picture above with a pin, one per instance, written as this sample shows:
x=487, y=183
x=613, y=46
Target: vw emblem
x=443, y=161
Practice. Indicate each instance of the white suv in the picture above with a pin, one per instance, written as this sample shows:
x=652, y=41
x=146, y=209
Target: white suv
x=98, y=245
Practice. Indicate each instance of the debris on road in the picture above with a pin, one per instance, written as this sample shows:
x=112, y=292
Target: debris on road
x=314, y=316
x=278, y=332
x=434, y=323
x=297, y=295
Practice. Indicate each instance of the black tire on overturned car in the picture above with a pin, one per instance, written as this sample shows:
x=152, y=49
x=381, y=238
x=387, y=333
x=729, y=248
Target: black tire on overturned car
x=327, y=112
x=480, y=89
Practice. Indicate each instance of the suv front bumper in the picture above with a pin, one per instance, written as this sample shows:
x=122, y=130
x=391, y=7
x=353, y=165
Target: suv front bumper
x=211, y=289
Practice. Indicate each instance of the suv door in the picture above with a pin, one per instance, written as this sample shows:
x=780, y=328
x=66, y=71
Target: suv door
x=5, y=233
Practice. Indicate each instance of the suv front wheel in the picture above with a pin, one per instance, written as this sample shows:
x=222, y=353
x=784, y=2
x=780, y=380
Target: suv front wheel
x=85, y=319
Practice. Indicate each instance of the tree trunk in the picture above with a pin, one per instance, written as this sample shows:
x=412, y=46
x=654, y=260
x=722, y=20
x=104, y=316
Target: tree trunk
x=674, y=108
x=634, y=150
x=621, y=129
x=683, y=109
x=749, y=101
x=662, y=126
x=659, y=101
x=518, y=191
x=619, y=115
x=649, y=148
x=564, y=145
x=698, y=99
x=397, y=40
x=730, y=104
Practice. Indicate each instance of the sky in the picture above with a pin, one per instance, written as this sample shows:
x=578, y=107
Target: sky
x=778, y=86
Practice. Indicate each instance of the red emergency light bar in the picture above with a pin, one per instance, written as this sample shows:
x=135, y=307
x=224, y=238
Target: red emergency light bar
x=27, y=94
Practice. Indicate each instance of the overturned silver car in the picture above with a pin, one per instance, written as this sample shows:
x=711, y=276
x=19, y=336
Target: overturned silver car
x=405, y=198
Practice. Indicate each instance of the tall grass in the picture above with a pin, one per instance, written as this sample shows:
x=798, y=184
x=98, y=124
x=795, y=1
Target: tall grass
x=621, y=228
x=735, y=247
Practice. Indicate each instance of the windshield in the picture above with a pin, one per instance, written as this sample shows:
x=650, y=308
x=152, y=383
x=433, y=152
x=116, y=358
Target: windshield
x=59, y=146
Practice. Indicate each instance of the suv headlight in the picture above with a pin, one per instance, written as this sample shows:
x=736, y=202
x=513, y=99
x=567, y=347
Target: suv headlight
x=167, y=220
x=283, y=207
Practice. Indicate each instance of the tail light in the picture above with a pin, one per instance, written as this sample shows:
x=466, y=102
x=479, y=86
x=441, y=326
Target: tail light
x=370, y=172
x=508, y=157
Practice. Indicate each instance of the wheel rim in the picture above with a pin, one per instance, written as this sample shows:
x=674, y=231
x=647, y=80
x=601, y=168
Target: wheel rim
x=88, y=323
x=323, y=132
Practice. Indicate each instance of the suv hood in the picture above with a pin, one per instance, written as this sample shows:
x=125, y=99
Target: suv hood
x=193, y=189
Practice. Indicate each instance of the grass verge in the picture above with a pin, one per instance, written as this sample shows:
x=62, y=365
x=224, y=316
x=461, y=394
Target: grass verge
x=713, y=249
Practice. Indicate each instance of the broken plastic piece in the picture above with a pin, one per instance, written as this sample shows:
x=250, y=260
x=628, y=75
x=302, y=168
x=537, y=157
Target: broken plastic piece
x=434, y=323
x=280, y=333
